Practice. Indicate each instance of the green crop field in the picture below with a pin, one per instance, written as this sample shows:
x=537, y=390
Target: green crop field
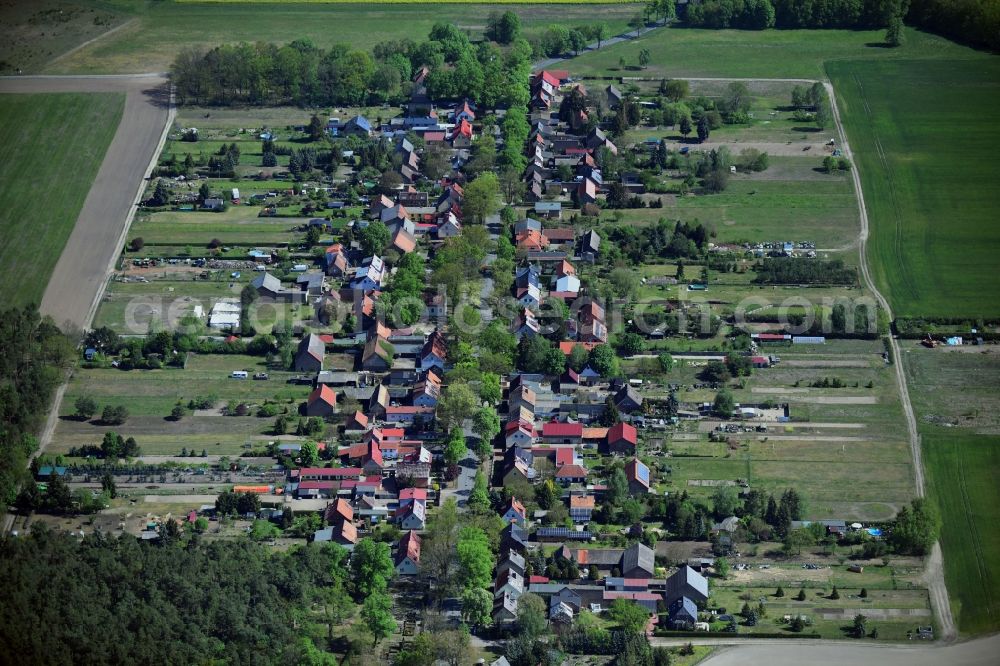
x=925, y=136
x=160, y=30
x=964, y=480
x=688, y=52
x=955, y=394
x=51, y=147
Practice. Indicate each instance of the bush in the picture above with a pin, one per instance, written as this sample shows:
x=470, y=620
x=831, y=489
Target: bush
x=268, y=410
x=86, y=407
x=114, y=415
x=136, y=244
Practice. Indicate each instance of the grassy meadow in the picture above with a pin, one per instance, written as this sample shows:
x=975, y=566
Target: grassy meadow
x=925, y=136
x=160, y=30
x=37, y=32
x=151, y=394
x=844, y=449
x=51, y=147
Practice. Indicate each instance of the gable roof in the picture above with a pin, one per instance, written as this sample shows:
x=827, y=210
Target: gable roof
x=339, y=510
x=623, y=431
x=360, y=122
x=516, y=506
x=556, y=429
x=687, y=577
x=323, y=394
x=637, y=471
x=409, y=547
x=571, y=472
x=312, y=345
x=638, y=555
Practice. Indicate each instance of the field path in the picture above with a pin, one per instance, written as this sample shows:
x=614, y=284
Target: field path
x=80, y=276
x=78, y=281
x=934, y=574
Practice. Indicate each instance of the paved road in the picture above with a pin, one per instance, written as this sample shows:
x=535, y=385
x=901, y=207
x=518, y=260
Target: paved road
x=839, y=653
x=80, y=274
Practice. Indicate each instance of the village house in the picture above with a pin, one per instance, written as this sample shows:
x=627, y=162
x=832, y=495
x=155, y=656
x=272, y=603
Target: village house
x=637, y=474
x=357, y=126
x=683, y=614
x=686, y=582
x=568, y=475
x=519, y=433
x=514, y=512
x=581, y=508
x=554, y=432
x=270, y=289
x=628, y=400
x=412, y=516
x=310, y=354
x=434, y=352
x=407, y=561
x=622, y=439
x=321, y=402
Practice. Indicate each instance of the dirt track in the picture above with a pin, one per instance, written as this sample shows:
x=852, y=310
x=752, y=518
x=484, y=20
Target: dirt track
x=79, y=276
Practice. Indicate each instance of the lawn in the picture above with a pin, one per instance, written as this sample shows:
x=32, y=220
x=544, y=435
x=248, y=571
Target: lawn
x=131, y=308
x=793, y=206
x=52, y=148
x=926, y=141
x=893, y=611
x=149, y=396
x=682, y=52
x=238, y=224
x=162, y=29
x=850, y=461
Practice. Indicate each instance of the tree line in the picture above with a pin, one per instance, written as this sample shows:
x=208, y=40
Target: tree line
x=35, y=356
x=303, y=74
x=794, y=270
x=762, y=14
x=974, y=22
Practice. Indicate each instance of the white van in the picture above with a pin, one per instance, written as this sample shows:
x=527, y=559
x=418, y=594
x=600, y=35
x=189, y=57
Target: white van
x=239, y=374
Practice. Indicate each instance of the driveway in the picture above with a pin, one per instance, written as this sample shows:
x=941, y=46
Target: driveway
x=467, y=468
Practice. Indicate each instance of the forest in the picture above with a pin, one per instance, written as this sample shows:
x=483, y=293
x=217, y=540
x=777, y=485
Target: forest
x=104, y=600
x=35, y=357
x=301, y=73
